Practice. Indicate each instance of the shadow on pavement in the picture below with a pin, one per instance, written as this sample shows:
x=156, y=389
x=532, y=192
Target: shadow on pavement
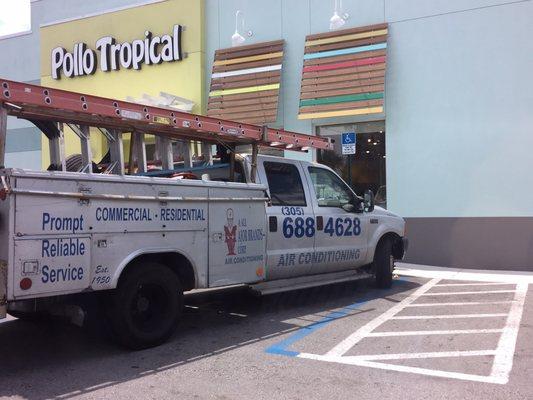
x=56, y=360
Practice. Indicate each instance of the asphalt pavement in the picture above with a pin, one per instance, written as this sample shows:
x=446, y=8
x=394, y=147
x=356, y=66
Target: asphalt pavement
x=436, y=334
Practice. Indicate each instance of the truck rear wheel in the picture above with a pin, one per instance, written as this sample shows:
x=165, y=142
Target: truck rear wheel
x=383, y=264
x=146, y=306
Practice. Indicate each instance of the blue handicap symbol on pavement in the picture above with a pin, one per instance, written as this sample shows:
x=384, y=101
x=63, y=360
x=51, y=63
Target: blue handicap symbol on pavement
x=348, y=138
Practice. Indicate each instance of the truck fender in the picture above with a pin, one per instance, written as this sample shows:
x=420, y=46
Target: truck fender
x=380, y=232
x=134, y=255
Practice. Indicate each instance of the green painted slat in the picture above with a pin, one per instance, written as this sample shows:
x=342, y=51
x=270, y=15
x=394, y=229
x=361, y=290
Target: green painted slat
x=341, y=99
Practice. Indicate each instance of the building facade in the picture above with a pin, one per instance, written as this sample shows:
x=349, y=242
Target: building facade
x=450, y=148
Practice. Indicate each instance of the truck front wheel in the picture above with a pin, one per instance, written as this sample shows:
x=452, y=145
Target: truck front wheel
x=145, y=307
x=383, y=264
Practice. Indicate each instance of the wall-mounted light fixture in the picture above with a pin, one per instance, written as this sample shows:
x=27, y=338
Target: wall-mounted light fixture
x=237, y=39
x=339, y=18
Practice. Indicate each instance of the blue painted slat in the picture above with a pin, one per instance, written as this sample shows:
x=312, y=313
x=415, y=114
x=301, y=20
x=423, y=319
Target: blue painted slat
x=341, y=52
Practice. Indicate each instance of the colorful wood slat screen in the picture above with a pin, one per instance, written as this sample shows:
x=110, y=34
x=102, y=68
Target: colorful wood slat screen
x=344, y=73
x=245, y=83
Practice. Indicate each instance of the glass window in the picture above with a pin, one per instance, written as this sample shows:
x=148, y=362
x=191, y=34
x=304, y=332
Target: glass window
x=285, y=184
x=330, y=190
x=366, y=168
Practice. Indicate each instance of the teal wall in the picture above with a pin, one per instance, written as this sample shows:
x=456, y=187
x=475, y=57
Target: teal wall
x=459, y=94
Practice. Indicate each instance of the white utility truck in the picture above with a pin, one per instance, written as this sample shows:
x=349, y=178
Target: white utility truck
x=141, y=240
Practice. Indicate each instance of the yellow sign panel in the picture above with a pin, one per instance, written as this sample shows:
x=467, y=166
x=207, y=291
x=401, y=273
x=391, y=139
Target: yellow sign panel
x=147, y=50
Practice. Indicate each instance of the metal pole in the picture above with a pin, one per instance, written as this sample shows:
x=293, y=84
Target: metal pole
x=3, y=134
x=253, y=170
x=350, y=170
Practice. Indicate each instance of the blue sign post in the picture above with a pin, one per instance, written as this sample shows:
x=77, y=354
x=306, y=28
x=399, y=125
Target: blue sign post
x=348, y=148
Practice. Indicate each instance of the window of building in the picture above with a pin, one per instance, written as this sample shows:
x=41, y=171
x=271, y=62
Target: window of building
x=15, y=17
x=285, y=184
x=366, y=168
x=330, y=191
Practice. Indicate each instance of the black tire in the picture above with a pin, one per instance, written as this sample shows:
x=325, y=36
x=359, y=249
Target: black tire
x=383, y=264
x=145, y=307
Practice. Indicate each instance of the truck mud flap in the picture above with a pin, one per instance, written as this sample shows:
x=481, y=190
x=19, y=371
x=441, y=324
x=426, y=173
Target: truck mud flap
x=3, y=289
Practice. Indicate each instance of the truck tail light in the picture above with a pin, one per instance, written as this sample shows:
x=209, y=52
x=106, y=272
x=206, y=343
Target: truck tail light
x=3, y=194
x=25, y=283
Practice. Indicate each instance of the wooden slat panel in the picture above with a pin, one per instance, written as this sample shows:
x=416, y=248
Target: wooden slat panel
x=346, y=45
x=248, y=100
x=341, y=113
x=262, y=63
x=229, y=104
x=342, y=90
x=243, y=116
x=345, y=71
x=250, y=52
x=247, y=83
x=230, y=50
x=257, y=106
x=342, y=106
x=343, y=78
x=244, y=96
x=239, y=78
x=346, y=31
x=348, y=57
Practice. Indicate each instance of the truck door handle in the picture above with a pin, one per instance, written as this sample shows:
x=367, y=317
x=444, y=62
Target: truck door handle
x=319, y=223
x=273, y=224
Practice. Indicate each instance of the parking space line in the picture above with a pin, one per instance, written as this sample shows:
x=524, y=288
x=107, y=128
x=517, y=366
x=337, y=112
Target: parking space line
x=358, y=335
x=461, y=293
x=475, y=284
x=441, y=332
x=431, y=354
x=463, y=303
x=450, y=316
x=405, y=368
x=503, y=361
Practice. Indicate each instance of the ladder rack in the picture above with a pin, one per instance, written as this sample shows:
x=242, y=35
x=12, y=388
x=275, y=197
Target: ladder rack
x=50, y=108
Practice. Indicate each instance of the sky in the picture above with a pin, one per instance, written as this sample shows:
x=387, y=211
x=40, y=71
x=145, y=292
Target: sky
x=15, y=16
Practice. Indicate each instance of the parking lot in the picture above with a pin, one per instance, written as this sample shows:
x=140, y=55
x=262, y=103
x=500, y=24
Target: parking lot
x=437, y=333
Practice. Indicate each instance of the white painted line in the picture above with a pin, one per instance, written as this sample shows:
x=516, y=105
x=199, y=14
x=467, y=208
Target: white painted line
x=403, y=368
x=450, y=316
x=474, y=284
x=443, y=332
x=365, y=330
x=433, y=354
x=461, y=274
x=247, y=71
x=463, y=303
x=456, y=293
x=503, y=362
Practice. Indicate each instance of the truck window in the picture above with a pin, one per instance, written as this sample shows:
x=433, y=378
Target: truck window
x=330, y=190
x=285, y=184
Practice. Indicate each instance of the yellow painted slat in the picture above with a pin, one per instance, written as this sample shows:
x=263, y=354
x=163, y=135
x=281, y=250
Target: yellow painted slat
x=249, y=89
x=342, y=113
x=250, y=58
x=345, y=38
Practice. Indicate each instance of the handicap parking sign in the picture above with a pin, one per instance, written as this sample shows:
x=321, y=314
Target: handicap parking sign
x=348, y=143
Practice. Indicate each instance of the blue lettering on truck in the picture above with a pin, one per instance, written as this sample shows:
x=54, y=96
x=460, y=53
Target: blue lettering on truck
x=182, y=214
x=70, y=224
x=61, y=274
x=123, y=214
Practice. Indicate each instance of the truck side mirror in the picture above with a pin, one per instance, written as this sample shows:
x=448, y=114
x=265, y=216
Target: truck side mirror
x=348, y=207
x=369, y=200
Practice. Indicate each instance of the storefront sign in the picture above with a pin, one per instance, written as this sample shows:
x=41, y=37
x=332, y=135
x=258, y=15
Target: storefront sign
x=111, y=56
x=348, y=143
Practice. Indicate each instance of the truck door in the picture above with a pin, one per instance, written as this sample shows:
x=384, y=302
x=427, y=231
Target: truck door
x=290, y=220
x=341, y=235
